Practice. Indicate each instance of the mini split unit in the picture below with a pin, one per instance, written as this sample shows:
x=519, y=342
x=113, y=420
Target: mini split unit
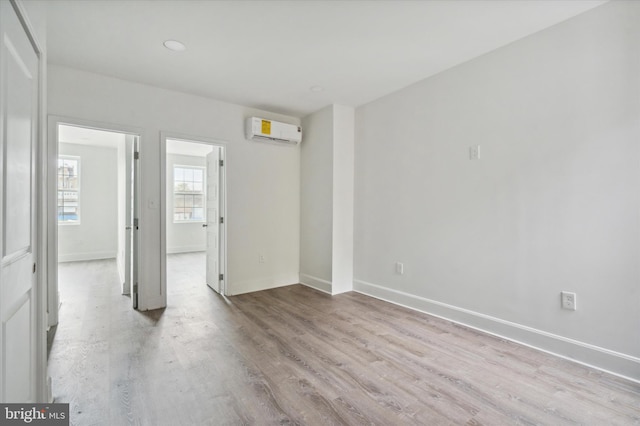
x=259, y=129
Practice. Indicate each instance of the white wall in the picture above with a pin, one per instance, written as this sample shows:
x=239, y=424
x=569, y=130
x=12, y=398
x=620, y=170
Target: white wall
x=37, y=14
x=183, y=237
x=326, y=223
x=263, y=197
x=552, y=205
x=316, y=200
x=343, y=193
x=95, y=237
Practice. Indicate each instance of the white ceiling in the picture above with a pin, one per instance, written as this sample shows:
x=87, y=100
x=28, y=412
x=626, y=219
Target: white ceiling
x=267, y=54
x=87, y=136
x=188, y=148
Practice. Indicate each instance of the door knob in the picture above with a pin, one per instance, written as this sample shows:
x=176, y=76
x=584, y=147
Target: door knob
x=204, y=225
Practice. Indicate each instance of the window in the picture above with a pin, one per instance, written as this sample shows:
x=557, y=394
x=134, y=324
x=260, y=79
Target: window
x=188, y=194
x=69, y=189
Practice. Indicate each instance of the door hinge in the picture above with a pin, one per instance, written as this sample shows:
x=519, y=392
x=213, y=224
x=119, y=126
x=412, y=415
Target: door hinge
x=34, y=268
x=136, y=155
x=135, y=222
x=221, y=163
x=221, y=277
x=135, y=288
x=222, y=220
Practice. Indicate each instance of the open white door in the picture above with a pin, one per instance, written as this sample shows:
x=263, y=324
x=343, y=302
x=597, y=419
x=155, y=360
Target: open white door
x=18, y=127
x=214, y=280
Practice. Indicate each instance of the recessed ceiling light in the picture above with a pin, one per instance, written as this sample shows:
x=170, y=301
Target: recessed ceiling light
x=174, y=45
x=316, y=89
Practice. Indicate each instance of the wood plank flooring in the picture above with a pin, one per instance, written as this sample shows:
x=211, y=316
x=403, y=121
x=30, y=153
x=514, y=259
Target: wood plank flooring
x=297, y=356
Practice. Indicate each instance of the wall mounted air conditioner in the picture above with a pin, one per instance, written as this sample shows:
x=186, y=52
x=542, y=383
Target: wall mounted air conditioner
x=260, y=129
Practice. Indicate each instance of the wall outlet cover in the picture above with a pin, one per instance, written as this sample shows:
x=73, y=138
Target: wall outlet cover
x=568, y=300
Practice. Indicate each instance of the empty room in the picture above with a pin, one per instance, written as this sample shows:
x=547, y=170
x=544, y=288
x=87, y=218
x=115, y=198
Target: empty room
x=321, y=212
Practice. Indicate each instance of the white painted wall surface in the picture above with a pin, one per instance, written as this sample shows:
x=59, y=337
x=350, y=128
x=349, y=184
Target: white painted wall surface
x=326, y=223
x=343, y=194
x=37, y=14
x=183, y=237
x=552, y=205
x=316, y=200
x=263, y=208
x=96, y=236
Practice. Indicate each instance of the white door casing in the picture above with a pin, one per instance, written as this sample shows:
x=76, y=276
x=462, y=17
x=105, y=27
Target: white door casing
x=216, y=176
x=129, y=215
x=19, y=316
x=132, y=144
x=135, y=239
x=213, y=221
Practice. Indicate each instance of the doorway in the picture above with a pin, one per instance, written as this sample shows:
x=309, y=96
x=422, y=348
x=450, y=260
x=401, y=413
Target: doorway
x=94, y=188
x=193, y=218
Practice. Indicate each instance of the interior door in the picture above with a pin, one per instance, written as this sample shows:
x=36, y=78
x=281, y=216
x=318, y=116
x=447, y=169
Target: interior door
x=18, y=127
x=213, y=220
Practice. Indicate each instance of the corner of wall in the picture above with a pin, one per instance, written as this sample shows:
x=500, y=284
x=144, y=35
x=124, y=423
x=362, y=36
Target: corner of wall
x=316, y=283
x=343, y=197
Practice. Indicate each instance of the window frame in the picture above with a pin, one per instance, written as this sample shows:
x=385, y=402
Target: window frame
x=202, y=193
x=78, y=190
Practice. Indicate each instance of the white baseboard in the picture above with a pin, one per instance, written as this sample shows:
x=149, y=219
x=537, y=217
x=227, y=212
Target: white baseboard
x=185, y=249
x=616, y=363
x=249, y=286
x=316, y=283
x=77, y=257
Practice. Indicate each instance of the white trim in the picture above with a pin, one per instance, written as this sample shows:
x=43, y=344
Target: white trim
x=162, y=300
x=249, y=286
x=83, y=256
x=316, y=283
x=51, y=218
x=185, y=249
x=613, y=362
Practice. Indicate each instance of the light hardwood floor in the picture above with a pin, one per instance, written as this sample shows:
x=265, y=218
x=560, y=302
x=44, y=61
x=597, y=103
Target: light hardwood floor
x=293, y=355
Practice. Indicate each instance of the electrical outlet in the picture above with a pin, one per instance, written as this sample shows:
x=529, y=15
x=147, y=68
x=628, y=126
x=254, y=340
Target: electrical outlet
x=568, y=300
x=399, y=268
x=474, y=152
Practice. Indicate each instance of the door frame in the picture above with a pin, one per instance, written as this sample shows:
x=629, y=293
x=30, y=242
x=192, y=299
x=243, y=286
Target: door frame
x=53, y=302
x=163, y=206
